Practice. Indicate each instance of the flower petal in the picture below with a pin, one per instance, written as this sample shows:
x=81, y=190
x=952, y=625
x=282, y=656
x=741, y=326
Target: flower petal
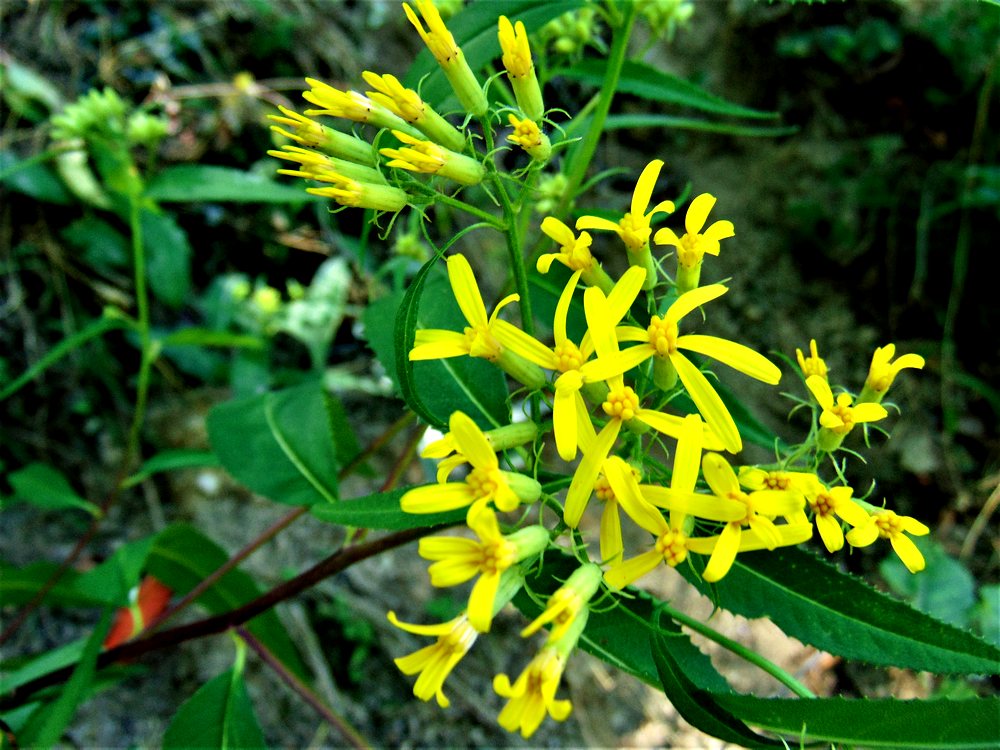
x=666, y=236
x=582, y=485
x=687, y=458
x=522, y=344
x=596, y=222
x=433, y=343
x=693, y=300
x=435, y=498
x=719, y=475
x=644, y=187
x=626, y=488
x=558, y=231
x=611, y=534
x=466, y=290
x=599, y=323
x=820, y=390
x=724, y=553
x=624, y=293
x=632, y=569
x=471, y=441
x=903, y=546
x=709, y=403
x=737, y=356
x=830, y=532
x=481, y=599
x=719, y=230
x=697, y=213
x=869, y=412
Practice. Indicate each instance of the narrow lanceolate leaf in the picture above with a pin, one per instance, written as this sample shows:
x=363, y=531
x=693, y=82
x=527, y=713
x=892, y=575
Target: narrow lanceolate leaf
x=200, y=182
x=44, y=486
x=382, y=511
x=649, y=83
x=436, y=388
x=280, y=444
x=811, y=600
x=46, y=725
x=884, y=723
x=700, y=707
x=218, y=715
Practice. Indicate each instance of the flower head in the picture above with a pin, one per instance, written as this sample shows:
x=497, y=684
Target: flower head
x=483, y=337
x=435, y=662
x=829, y=507
x=459, y=559
x=449, y=55
x=520, y=70
x=484, y=483
x=532, y=696
x=407, y=104
x=839, y=417
x=568, y=602
x=883, y=372
x=693, y=245
x=311, y=134
x=634, y=227
x=429, y=158
x=813, y=364
x=529, y=136
x=886, y=524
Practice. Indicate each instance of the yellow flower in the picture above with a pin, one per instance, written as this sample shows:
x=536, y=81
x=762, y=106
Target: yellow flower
x=839, y=417
x=834, y=501
x=529, y=136
x=567, y=603
x=429, y=158
x=760, y=507
x=449, y=56
x=356, y=194
x=435, y=662
x=484, y=483
x=322, y=168
x=622, y=403
x=351, y=105
x=887, y=525
x=691, y=248
x=485, y=337
x=574, y=253
x=459, y=559
x=499, y=439
x=520, y=69
x=532, y=696
x=661, y=340
x=634, y=228
x=883, y=372
x=407, y=104
x=813, y=364
x=754, y=478
x=311, y=134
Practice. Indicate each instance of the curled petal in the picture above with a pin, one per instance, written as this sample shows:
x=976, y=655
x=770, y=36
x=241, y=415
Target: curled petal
x=737, y=356
x=693, y=300
x=666, y=236
x=644, y=187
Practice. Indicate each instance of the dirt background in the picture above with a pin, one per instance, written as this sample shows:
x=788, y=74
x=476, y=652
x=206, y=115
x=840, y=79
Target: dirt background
x=828, y=232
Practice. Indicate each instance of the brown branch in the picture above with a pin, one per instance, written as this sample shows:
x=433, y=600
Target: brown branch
x=223, y=622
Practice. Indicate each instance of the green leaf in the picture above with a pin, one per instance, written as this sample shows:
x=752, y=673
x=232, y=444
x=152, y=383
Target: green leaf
x=43, y=486
x=171, y=460
x=381, y=511
x=46, y=726
x=926, y=724
x=182, y=557
x=279, y=444
x=20, y=585
x=811, y=600
x=475, y=31
x=168, y=257
x=34, y=180
x=645, y=81
x=93, y=329
x=672, y=122
x=218, y=715
x=699, y=707
x=190, y=183
x=945, y=589
x=194, y=336
x=436, y=388
x=112, y=580
x=100, y=243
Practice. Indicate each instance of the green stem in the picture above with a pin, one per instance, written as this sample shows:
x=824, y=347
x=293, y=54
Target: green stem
x=148, y=350
x=468, y=208
x=513, y=236
x=44, y=156
x=585, y=152
x=740, y=650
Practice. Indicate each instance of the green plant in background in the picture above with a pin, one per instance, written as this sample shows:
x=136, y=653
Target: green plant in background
x=576, y=377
